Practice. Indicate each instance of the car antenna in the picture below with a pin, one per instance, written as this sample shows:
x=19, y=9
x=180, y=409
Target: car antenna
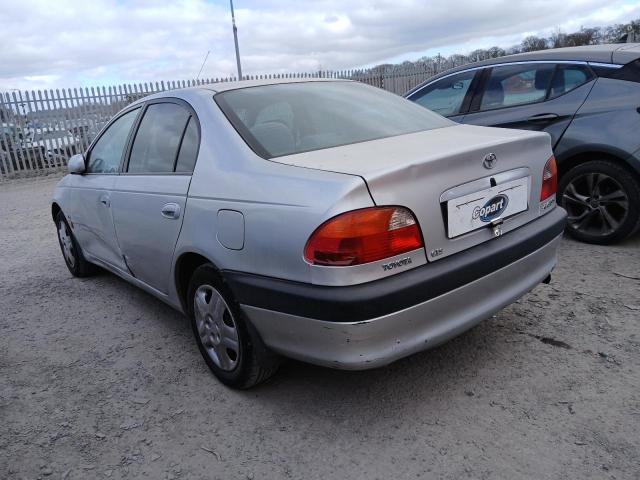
x=205, y=61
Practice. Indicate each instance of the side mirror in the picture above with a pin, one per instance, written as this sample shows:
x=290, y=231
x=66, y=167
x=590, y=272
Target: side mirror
x=76, y=164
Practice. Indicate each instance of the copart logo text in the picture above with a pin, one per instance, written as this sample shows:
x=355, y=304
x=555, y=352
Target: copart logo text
x=492, y=209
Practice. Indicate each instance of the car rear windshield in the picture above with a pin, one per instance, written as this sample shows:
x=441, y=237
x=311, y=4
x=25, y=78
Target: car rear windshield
x=285, y=119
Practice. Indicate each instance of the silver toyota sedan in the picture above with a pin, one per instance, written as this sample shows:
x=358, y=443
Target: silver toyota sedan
x=326, y=220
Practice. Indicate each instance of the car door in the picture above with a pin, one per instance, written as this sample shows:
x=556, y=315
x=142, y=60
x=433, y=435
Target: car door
x=90, y=209
x=149, y=197
x=449, y=96
x=531, y=96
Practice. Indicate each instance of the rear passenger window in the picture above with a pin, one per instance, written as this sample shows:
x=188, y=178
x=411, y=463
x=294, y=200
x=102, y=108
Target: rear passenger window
x=189, y=148
x=155, y=148
x=568, y=77
x=517, y=85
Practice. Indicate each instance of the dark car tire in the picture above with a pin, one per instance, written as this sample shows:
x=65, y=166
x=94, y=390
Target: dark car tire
x=247, y=362
x=71, y=251
x=602, y=199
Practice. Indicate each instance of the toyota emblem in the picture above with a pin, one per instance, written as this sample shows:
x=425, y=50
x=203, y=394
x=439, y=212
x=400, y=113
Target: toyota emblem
x=490, y=160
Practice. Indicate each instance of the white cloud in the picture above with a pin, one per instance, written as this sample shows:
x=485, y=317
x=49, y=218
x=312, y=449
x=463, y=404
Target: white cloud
x=101, y=42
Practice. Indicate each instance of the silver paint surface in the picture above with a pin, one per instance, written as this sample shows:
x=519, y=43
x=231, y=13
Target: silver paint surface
x=380, y=341
x=119, y=219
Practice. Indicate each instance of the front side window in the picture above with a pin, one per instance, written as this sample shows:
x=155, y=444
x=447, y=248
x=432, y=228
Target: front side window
x=511, y=85
x=156, y=144
x=291, y=118
x=445, y=96
x=106, y=154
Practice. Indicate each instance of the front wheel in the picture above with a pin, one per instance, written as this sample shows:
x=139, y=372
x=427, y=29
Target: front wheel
x=602, y=200
x=71, y=251
x=229, y=344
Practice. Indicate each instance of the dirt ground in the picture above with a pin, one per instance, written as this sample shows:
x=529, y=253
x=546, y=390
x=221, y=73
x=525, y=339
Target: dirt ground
x=100, y=380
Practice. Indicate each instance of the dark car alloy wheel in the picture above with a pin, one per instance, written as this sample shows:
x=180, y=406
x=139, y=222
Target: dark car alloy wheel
x=596, y=203
x=602, y=199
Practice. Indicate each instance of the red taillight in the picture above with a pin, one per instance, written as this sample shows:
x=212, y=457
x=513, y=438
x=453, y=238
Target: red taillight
x=362, y=236
x=549, y=179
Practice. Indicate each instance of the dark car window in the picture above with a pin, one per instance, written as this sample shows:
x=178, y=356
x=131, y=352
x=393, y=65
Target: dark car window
x=290, y=118
x=189, y=148
x=568, y=77
x=445, y=96
x=106, y=154
x=158, y=138
x=511, y=85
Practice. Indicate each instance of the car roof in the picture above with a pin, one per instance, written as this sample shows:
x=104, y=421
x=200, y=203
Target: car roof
x=617, y=53
x=607, y=53
x=235, y=85
x=224, y=86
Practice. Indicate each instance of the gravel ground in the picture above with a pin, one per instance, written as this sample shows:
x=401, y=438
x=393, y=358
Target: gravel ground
x=100, y=380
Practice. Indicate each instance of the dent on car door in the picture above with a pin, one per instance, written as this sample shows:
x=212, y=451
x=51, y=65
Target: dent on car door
x=538, y=96
x=149, y=198
x=449, y=96
x=90, y=207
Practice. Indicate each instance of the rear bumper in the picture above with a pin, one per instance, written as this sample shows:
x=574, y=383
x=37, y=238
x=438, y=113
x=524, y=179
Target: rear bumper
x=373, y=324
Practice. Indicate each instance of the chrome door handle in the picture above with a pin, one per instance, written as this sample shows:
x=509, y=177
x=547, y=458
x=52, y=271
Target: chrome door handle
x=105, y=200
x=171, y=210
x=543, y=117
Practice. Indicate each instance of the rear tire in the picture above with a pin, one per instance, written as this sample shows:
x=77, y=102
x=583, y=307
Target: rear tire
x=71, y=251
x=602, y=199
x=229, y=344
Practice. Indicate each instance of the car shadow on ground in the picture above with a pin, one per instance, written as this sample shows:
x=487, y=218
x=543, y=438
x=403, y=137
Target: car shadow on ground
x=463, y=353
x=429, y=382
x=453, y=370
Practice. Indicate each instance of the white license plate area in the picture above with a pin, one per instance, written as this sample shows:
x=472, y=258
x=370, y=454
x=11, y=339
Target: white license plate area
x=479, y=209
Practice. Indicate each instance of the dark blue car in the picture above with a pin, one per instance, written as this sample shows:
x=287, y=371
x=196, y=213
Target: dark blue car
x=587, y=99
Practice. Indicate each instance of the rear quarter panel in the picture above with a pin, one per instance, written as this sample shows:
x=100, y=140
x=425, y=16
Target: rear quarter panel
x=281, y=204
x=608, y=122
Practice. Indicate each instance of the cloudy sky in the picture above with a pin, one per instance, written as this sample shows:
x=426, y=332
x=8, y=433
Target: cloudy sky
x=67, y=43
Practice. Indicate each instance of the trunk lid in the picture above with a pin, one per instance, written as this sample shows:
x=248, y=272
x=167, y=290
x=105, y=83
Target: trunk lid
x=425, y=170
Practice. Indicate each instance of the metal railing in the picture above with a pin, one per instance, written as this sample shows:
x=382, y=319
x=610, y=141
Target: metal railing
x=42, y=129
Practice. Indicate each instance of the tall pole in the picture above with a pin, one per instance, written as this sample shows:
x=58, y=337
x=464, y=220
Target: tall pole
x=235, y=40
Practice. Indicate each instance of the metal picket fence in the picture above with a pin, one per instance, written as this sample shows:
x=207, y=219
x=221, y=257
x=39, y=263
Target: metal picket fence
x=42, y=129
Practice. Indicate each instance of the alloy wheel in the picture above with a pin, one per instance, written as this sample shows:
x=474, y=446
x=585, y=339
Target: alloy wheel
x=217, y=328
x=596, y=204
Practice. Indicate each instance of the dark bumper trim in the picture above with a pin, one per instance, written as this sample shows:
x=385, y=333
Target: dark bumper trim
x=365, y=301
